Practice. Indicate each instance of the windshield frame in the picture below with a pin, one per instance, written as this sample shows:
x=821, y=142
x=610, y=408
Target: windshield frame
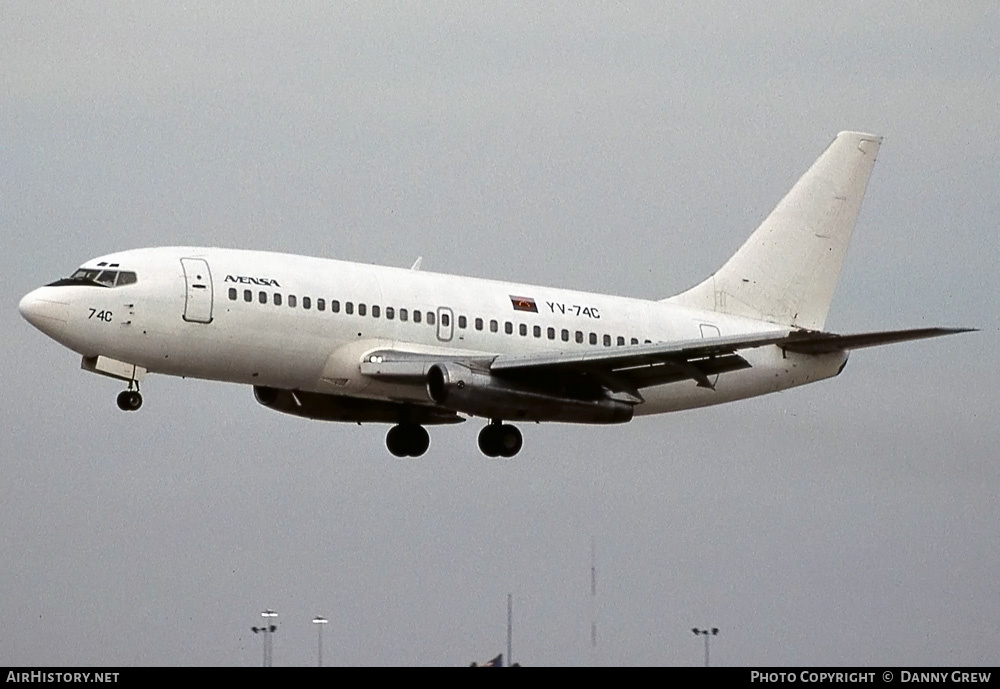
x=97, y=277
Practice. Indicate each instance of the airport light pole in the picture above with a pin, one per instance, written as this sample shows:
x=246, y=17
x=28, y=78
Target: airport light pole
x=510, y=627
x=319, y=622
x=267, y=630
x=706, y=633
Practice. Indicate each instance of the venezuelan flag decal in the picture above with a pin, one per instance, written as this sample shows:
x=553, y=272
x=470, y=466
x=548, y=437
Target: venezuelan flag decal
x=524, y=304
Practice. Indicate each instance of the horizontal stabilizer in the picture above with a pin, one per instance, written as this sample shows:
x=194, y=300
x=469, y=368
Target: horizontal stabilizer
x=824, y=343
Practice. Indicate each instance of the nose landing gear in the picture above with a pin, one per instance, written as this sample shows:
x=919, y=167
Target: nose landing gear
x=130, y=400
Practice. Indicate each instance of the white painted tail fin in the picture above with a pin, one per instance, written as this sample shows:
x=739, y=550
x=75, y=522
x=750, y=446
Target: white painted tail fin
x=787, y=270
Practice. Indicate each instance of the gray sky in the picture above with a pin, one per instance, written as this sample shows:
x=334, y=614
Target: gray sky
x=623, y=149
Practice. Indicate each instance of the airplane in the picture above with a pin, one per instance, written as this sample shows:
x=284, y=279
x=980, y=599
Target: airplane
x=339, y=341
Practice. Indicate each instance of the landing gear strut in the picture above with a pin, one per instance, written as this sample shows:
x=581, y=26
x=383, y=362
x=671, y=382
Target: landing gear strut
x=500, y=440
x=407, y=440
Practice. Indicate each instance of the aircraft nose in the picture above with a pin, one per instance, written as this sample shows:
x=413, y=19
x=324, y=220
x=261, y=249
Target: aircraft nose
x=29, y=307
x=41, y=310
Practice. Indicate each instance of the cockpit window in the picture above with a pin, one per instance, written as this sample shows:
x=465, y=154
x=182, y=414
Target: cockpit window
x=107, y=277
x=98, y=278
x=85, y=274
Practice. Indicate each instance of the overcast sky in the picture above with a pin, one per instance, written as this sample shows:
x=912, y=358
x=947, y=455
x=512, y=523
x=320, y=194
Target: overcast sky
x=625, y=149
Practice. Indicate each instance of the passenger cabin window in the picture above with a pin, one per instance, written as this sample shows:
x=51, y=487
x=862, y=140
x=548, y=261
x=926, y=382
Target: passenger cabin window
x=523, y=329
x=335, y=306
x=621, y=341
x=607, y=340
x=416, y=316
x=445, y=320
x=376, y=311
x=306, y=302
x=479, y=324
x=508, y=328
x=247, y=296
x=404, y=315
x=232, y=294
x=321, y=304
x=565, y=335
x=551, y=333
x=494, y=326
x=362, y=309
x=579, y=337
x=593, y=338
x=277, y=299
x=349, y=308
x=262, y=297
x=390, y=312
x=430, y=318
x=634, y=341
x=537, y=331
x=462, y=322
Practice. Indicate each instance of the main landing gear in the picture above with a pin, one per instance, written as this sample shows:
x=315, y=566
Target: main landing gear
x=407, y=440
x=500, y=440
x=130, y=400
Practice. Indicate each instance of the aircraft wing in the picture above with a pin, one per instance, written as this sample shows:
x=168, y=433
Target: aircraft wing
x=632, y=367
x=637, y=366
x=637, y=355
x=657, y=364
x=624, y=369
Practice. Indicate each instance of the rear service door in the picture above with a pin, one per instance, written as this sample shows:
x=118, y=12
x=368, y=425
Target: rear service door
x=709, y=331
x=198, y=299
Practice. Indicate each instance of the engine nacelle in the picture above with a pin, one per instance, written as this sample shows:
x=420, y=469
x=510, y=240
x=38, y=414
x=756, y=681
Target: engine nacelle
x=267, y=396
x=323, y=407
x=462, y=389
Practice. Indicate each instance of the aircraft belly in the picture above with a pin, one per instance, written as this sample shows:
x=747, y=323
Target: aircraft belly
x=771, y=370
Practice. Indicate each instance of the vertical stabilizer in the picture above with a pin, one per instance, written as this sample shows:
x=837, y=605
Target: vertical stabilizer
x=787, y=270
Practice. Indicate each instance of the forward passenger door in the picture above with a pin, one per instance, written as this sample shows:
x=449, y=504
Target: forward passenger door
x=198, y=292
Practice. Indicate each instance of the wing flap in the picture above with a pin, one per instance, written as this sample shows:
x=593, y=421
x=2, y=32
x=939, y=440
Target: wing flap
x=662, y=374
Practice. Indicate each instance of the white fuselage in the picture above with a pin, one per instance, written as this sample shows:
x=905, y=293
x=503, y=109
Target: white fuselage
x=212, y=313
